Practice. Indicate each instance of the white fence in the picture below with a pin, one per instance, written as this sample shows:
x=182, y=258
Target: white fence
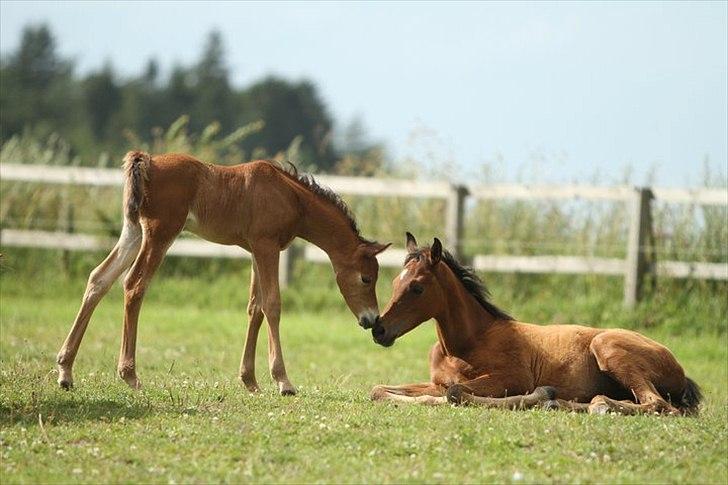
x=634, y=267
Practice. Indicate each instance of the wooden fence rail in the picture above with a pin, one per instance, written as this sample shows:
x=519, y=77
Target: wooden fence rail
x=634, y=268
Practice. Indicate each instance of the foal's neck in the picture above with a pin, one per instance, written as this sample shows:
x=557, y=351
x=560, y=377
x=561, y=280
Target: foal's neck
x=325, y=226
x=463, y=321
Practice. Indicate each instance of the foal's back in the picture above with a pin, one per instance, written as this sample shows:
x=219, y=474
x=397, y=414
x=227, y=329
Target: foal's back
x=226, y=205
x=583, y=361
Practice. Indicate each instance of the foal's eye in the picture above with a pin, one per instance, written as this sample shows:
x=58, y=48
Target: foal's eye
x=417, y=289
x=366, y=280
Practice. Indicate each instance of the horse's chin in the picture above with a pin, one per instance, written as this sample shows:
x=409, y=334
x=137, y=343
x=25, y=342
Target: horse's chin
x=385, y=341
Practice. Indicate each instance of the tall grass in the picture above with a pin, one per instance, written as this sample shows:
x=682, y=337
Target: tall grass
x=682, y=232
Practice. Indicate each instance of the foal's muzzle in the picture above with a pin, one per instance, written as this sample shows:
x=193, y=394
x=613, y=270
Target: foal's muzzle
x=368, y=319
x=381, y=336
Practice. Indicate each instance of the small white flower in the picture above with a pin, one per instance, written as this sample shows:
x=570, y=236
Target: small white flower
x=517, y=476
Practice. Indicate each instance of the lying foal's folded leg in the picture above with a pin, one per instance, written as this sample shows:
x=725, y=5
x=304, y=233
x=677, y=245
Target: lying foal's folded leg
x=426, y=393
x=603, y=405
x=458, y=394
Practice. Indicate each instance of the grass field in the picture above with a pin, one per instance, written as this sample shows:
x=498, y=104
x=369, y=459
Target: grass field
x=193, y=422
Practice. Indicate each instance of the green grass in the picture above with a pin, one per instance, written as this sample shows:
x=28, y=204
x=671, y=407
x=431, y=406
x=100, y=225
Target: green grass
x=193, y=422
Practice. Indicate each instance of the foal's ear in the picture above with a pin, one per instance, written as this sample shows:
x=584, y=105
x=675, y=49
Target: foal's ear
x=376, y=248
x=436, y=252
x=411, y=244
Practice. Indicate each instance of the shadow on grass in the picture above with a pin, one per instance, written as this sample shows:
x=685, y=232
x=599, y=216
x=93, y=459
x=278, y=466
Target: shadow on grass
x=58, y=411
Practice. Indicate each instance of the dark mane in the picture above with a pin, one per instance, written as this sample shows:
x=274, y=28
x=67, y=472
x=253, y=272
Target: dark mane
x=470, y=280
x=322, y=192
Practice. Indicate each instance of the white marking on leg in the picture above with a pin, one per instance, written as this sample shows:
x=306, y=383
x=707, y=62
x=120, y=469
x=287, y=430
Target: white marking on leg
x=426, y=399
x=128, y=245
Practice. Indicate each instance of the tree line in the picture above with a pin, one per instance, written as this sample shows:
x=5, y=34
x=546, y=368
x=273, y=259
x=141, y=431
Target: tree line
x=41, y=93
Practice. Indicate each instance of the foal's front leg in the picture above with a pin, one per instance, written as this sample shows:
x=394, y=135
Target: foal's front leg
x=481, y=391
x=541, y=396
x=424, y=393
x=267, y=254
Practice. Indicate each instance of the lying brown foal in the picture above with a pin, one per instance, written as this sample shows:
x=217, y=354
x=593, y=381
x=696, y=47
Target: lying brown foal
x=485, y=357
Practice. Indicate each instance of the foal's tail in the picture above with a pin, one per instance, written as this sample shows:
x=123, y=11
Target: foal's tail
x=136, y=165
x=691, y=397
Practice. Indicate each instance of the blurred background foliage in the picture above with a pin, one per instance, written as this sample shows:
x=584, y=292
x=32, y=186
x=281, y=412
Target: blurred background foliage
x=104, y=113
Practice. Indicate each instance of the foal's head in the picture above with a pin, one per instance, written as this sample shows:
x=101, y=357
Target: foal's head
x=417, y=295
x=430, y=279
x=357, y=280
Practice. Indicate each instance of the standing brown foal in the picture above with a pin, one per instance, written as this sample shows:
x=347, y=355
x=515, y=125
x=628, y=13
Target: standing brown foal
x=483, y=356
x=257, y=206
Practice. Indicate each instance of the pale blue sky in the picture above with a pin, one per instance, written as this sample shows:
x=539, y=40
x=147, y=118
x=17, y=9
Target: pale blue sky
x=549, y=92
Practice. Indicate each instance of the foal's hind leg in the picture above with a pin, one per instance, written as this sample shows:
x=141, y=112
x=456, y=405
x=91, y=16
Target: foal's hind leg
x=99, y=282
x=541, y=396
x=425, y=393
x=637, y=363
x=157, y=239
x=255, y=319
x=603, y=404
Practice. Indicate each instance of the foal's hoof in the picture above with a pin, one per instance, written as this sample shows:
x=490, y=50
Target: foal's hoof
x=65, y=378
x=455, y=394
x=250, y=383
x=286, y=389
x=544, y=393
x=551, y=405
x=599, y=407
x=66, y=385
x=132, y=382
x=135, y=384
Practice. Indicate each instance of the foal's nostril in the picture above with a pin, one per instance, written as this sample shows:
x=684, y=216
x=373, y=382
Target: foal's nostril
x=368, y=320
x=378, y=331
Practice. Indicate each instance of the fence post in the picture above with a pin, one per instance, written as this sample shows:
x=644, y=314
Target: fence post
x=454, y=219
x=67, y=226
x=285, y=266
x=639, y=228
